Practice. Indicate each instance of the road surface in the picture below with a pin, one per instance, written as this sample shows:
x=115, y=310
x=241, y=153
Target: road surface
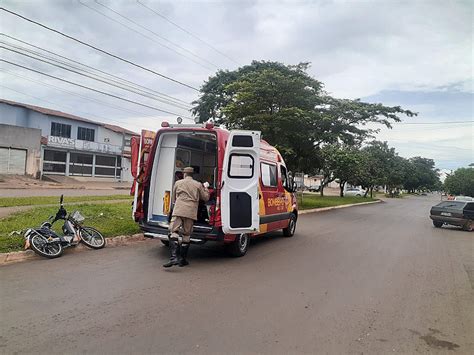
x=372, y=279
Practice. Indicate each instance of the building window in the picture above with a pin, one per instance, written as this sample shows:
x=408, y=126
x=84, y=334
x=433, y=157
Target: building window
x=60, y=130
x=54, y=161
x=105, y=160
x=105, y=165
x=269, y=175
x=80, y=164
x=85, y=134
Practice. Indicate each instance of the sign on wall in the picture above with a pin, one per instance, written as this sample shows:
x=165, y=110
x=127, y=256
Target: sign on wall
x=78, y=144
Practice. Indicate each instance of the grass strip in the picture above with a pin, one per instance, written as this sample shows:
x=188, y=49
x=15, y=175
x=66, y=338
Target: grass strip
x=316, y=201
x=50, y=200
x=110, y=219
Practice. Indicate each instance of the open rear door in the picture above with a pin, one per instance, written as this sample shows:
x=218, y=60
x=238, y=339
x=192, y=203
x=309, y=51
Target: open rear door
x=240, y=178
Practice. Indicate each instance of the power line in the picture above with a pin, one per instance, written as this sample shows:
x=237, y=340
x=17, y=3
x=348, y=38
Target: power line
x=53, y=103
x=158, y=93
x=188, y=32
x=156, y=34
x=76, y=94
x=144, y=35
x=89, y=76
x=100, y=50
x=423, y=123
x=92, y=89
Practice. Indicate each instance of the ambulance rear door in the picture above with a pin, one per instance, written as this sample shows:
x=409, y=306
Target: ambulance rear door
x=240, y=179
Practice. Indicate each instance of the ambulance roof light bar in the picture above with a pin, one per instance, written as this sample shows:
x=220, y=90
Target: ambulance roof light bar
x=207, y=125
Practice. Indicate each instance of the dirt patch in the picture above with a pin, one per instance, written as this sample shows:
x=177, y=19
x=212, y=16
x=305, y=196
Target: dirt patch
x=438, y=343
x=434, y=342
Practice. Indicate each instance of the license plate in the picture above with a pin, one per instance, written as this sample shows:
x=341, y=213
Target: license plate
x=448, y=214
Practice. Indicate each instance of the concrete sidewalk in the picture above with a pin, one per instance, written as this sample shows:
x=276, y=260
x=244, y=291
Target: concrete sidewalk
x=12, y=186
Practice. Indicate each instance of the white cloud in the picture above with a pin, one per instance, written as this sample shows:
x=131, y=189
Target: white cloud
x=357, y=48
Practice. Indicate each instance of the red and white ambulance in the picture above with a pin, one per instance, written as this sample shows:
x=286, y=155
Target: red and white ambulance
x=251, y=189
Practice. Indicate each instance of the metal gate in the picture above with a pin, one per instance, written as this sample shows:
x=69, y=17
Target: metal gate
x=12, y=161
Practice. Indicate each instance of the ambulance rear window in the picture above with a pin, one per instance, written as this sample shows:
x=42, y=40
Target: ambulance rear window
x=241, y=166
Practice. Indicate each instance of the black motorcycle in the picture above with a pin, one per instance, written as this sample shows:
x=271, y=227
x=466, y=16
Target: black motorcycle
x=46, y=242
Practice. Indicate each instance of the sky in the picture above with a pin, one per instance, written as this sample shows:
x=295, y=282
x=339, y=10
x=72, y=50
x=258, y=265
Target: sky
x=415, y=54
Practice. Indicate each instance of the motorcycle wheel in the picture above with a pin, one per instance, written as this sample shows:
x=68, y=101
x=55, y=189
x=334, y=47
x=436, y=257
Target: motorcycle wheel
x=92, y=238
x=40, y=245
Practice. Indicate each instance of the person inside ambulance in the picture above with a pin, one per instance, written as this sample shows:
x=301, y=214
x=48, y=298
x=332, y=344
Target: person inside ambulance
x=186, y=196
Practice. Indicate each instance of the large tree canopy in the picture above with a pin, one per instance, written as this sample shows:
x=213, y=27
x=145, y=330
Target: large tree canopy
x=461, y=182
x=290, y=108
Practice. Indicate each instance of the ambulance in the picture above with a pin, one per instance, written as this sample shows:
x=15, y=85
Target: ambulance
x=251, y=190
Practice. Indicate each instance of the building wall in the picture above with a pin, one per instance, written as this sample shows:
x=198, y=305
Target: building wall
x=23, y=138
x=105, y=135
x=26, y=120
x=13, y=115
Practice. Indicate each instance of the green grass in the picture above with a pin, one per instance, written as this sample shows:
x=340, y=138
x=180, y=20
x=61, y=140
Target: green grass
x=51, y=200
x=110, y=219
x=316, y=201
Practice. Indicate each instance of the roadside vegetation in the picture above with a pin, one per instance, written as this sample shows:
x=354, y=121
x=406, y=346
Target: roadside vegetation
x=461, y=182
x=308, y=201
x=110, y=219
x=51, y=200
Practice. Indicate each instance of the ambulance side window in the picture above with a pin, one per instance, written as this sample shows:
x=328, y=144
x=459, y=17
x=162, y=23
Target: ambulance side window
x=269, y=175
x=284, y=177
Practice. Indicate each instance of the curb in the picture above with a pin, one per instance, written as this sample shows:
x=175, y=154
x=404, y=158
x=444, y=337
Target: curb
x=322, y=209
x=121, y=240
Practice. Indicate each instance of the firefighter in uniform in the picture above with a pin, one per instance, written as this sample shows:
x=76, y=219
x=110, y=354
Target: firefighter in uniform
x=186, y=195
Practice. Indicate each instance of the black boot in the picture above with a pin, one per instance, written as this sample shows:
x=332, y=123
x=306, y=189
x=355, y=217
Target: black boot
x=174, y=254
x=183, y=254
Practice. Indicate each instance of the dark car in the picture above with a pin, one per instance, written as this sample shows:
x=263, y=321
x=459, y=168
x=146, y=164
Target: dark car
x=456, y=213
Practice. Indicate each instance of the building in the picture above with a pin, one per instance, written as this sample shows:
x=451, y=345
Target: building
x=38, y=141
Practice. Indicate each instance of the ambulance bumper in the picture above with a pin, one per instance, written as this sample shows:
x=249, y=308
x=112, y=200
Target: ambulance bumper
x=200, y=234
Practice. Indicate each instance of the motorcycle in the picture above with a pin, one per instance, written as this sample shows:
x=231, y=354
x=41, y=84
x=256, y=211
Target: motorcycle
x=44, y=241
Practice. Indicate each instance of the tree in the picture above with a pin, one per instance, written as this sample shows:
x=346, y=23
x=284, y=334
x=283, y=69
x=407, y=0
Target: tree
x=379, y=163
x=461, y=182
x=421, y=174
x=290, y=108
x=327, y=154
x=347, y=166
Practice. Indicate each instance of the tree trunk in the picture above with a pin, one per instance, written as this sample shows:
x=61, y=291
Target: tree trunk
x=366, y=192
x=321, y=190
x=371, y=191
x=341, y=188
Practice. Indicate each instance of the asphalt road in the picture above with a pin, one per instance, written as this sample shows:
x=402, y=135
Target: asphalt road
x=372, y=279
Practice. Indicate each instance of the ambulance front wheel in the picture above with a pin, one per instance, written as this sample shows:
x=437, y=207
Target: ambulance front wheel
x=290, y=230
x=239, y=246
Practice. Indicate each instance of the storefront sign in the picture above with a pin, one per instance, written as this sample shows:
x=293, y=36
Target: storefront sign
x=61, y=142
x=78, y=144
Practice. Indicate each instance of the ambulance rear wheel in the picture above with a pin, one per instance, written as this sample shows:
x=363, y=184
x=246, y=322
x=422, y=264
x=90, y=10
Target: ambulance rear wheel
x=239, y=246
x=290, y=230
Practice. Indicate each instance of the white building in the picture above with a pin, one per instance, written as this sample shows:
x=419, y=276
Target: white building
x=38, y=141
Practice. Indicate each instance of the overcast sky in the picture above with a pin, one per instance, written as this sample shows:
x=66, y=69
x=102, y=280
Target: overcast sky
x=416, y=54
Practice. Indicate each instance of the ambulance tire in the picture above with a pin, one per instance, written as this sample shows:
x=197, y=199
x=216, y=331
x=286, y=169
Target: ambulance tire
x=290, y=230
x=239, y=246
